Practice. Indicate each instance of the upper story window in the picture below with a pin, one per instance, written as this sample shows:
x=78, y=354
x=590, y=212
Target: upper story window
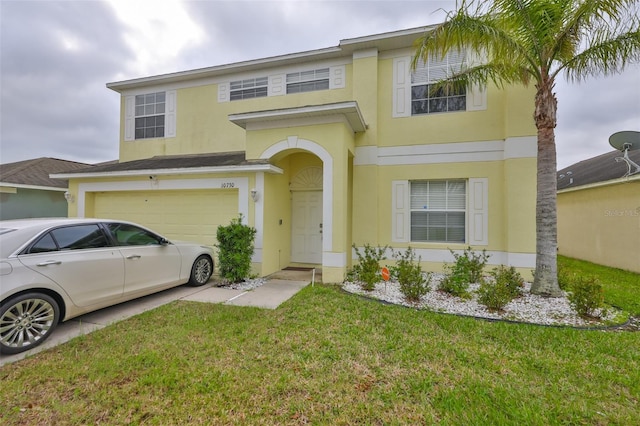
x=249, y=88
x=150, y=115
x=424, y=100
x=438, y=210
x=308, y=81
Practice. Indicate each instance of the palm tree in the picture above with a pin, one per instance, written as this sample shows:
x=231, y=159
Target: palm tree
x=525, y=41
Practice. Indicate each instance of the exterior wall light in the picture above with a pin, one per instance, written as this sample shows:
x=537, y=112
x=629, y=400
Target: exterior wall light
x=69, y=197
x=254, y=194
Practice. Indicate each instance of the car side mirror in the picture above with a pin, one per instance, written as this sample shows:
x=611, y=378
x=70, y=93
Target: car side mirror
x=163, y=241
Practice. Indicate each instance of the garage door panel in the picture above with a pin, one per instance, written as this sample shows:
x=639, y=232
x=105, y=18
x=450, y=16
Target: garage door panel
x=181, y=214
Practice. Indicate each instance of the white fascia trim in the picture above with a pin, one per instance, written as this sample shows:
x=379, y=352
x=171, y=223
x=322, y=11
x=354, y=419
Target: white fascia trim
x=368, y=53
x=383, y=36
x=239, y=183
x=618, y=181
x=267, y=168
x=300, y=122
x=40, y=188
x=349, y=109
x=458, y=152
x=244, y=66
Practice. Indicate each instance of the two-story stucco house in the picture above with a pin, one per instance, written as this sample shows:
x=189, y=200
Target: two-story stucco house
x=323, y=149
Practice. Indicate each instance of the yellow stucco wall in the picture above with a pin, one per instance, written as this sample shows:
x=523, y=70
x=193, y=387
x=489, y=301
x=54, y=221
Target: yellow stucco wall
x=361, y=209
x=601, y=224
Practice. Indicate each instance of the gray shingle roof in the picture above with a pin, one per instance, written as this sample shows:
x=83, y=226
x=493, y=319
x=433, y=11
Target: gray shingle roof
x=236, y=158
x=597, y=169
x=36, y=172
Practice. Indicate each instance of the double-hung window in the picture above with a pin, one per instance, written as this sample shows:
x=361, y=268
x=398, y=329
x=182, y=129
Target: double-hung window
x=249, y=88
x=438, y=210
x=308, y=81
x=150, y=115
x=426, y=100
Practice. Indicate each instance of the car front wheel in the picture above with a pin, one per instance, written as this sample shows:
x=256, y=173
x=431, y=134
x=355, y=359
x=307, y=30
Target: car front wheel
x=26, y=321
x=201, y=271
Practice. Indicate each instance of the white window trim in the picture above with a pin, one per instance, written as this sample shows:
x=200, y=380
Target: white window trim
x=255, y=86
x=476, y=96
x=477, y=213
x=170, y=115
x=277, y=85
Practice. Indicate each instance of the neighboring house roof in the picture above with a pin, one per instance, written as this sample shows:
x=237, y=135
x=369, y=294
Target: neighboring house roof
x=172, y=163
x=597, y=169
x=35, y=173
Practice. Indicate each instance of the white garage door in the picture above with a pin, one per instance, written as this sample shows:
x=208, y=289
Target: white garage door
x=192, y=215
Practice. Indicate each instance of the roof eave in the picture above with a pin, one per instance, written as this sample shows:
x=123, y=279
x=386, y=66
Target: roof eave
x=266, y=168
x=346, y=47
x=350, y=110
x=37, y=187
x=611, y=182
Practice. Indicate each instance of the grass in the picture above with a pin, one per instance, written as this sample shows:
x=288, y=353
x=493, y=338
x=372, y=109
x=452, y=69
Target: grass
x=620, y=287
x=327, y=357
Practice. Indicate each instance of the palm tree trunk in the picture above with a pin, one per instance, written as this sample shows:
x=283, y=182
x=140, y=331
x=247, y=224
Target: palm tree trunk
x=546, y=274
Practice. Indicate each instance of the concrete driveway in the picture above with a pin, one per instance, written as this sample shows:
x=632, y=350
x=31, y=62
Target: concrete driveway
x=268, y=296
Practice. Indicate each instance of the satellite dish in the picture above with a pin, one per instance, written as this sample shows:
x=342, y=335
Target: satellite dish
x=626, y=141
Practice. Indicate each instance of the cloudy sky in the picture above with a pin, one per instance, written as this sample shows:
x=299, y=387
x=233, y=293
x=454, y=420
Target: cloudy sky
x=56, y=57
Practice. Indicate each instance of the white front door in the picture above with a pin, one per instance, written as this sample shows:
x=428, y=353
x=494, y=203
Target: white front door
x=306, y=232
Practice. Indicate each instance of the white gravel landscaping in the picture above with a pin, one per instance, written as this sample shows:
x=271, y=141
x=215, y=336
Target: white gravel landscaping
x=528, y=308
x=246, y=285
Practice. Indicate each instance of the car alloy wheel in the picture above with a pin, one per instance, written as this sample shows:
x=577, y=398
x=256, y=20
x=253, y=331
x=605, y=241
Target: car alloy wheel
x=26, y=321
x=201, y=271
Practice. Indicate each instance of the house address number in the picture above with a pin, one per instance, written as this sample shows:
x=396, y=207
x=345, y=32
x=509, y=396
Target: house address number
x=228, y=185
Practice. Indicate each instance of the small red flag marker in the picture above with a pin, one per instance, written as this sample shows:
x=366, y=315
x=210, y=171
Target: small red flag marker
x=385, y=273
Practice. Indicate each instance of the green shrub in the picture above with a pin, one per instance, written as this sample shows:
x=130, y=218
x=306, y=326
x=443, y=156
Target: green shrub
x=564, y=278
x=455, y=283
x=413, y=283
x=471, y=263
x=367, y=271
x=467, y=269
x=505, y=286
x=509, y=278
x=235, y=248
x=586, y=296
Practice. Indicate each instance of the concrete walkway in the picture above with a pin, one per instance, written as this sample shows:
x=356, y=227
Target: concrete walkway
x=270, y=295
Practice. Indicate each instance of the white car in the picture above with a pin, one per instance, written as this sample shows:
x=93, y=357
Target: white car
x=52, y=270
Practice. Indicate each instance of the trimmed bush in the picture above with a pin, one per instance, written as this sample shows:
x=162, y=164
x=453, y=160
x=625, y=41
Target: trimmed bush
x=467, y=269
x=413, y=283
x=235, y=248
x=367, y=271
x=586, y=296
x=506, y=285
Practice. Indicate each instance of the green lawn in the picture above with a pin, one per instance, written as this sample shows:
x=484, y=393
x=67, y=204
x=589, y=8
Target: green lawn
x=327, y=357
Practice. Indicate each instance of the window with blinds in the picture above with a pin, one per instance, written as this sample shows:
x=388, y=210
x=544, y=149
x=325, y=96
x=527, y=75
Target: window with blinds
x=425, y=100
x=438, y=210
x=150, y=115
x=308, y=81
x=248, y=89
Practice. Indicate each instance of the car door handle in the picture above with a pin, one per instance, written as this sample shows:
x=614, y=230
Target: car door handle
x=49, y=262
x=134, y=257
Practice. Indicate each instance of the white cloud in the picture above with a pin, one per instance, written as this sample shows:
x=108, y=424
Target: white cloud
x=157, y=31
x=57, y=56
